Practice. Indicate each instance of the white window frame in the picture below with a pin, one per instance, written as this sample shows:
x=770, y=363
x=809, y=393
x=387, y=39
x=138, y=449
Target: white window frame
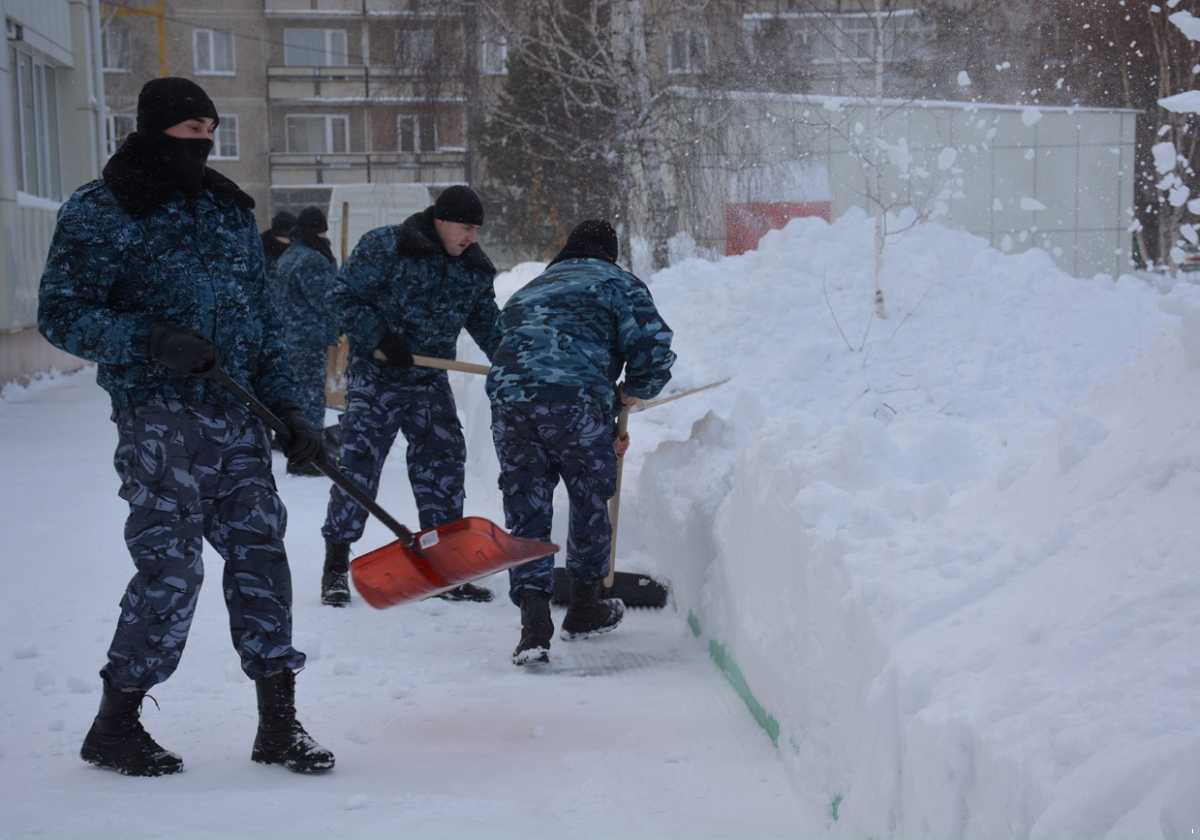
x=46, y=181
x=493, y=56
x=418, y=120
x=209, y=34
x=113, y=137
x=430, y=48
x=826, y=33
x=329, y=119
x=118, y=31
x=691, y=63
x=328, y=55
x=226, y=128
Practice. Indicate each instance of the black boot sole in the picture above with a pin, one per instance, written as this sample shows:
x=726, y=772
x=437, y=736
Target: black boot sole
x=143, y=773
x=306, y=769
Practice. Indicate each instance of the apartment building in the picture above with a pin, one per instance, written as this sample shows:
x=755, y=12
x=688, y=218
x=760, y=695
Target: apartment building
x=314, y=93
x=51, y=116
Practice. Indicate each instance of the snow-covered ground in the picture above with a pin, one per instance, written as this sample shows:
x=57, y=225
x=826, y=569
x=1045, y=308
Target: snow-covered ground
x=947, y=558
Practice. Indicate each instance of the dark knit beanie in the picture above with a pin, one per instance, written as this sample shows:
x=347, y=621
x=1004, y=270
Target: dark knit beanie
x=595, y=237
x=282, y=223
x=459, y=204
x=171, y=100
x=312, y=220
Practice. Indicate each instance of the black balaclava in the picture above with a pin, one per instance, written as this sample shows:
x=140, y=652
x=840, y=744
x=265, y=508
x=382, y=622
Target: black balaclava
x=163, y=103
x=309, y=227
x=594, y=239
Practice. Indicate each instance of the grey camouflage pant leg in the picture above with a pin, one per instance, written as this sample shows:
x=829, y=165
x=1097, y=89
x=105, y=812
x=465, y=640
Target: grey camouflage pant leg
x=537, y=443
x=437, y=452
x=308, y=364
x=190, y=475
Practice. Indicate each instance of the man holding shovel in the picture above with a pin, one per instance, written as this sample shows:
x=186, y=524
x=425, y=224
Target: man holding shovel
x=408, y=288
x=156, y=274
x=565, y=338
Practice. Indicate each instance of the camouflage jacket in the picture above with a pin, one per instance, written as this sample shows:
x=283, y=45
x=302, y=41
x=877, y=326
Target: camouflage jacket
x=566, y=336
x=126, y=256
x=304, y=277
x=400, y=279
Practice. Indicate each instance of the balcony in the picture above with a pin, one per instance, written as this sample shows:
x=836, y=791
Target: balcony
x=357, y=85
x=313, y=8
x=445, y=166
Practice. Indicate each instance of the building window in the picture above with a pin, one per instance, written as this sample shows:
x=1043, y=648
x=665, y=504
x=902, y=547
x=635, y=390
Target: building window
x=414, y=49
x=119, y=127
x=35, y=97
x=225, y=138
x=213, y=52
x=832, y=37
x=416, y=133
x=114, y=47
x=687, y=51
x=315, y=48
x=313, y=134
x=493, y=56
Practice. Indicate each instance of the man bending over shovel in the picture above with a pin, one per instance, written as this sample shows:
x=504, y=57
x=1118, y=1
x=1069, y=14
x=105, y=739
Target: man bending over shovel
x=409, y=287
x=565, y=338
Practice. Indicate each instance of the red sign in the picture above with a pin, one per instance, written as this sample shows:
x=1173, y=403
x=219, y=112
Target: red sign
x=745, y=224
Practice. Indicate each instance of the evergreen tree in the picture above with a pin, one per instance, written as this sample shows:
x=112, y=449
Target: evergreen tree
x=550, y=143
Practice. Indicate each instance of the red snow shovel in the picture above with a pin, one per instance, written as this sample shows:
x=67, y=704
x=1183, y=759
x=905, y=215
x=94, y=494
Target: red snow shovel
x=417, y=565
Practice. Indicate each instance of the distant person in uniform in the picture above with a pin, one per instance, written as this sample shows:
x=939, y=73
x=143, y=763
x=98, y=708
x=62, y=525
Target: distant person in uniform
x=565, y=339
x=305, y=273
x=156, y=274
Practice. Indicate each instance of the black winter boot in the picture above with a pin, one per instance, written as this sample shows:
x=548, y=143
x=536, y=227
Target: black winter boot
x=466, y=592
x=118, y=741
x=588, y=614
x=536, y=628
x=335, y=587
x=281, y=739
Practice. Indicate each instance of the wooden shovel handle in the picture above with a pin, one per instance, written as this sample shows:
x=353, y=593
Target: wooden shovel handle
x=614, y=504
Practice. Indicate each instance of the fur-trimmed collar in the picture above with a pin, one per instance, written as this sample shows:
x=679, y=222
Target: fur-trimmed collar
x=416, y=237
x=140, y=190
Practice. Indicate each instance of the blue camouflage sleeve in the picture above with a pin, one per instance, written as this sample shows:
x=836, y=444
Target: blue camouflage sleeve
x=483, y=323
x=83, y=265
x=274, y=383
x=644, y=340
x=355, y=292
x=316, y=276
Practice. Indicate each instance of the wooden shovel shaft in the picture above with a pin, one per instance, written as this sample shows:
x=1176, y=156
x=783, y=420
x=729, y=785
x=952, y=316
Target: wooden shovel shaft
x=450, y=364
x=614, y=504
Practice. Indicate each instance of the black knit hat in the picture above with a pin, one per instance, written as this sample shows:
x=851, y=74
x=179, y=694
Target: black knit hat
x=171, y=100
x=593, y=238
x=459, y=204
x=312, y=220
x=282, y=223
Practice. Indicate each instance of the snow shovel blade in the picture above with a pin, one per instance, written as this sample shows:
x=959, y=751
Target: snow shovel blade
x=439, y=559
x=634, y=589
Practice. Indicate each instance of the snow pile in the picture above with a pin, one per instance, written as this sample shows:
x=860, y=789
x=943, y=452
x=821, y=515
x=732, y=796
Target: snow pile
x=952, y=553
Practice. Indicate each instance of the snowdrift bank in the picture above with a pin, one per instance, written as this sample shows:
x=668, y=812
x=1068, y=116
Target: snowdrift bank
x=951, y=553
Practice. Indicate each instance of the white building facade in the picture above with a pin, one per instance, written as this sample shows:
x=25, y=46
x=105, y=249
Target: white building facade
x=51, y=142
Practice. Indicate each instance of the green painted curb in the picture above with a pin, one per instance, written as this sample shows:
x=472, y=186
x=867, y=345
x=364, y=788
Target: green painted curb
x=724, y=660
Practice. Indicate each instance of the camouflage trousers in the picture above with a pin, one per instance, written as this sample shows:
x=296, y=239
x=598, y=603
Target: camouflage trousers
x=376, y=410
x=537, y=444
x=308, y=366
x=192, y=474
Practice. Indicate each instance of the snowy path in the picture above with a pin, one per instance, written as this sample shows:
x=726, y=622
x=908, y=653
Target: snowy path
x=436, y=734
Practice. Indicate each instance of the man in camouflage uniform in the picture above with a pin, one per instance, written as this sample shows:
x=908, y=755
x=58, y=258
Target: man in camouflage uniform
x=156, y=273
x=565, y=338
x=305, y=273
x=409, y=288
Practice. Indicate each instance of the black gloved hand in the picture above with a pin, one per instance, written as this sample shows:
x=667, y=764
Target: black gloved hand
x=182, y=350
x=302, y=442
x=393, y=351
